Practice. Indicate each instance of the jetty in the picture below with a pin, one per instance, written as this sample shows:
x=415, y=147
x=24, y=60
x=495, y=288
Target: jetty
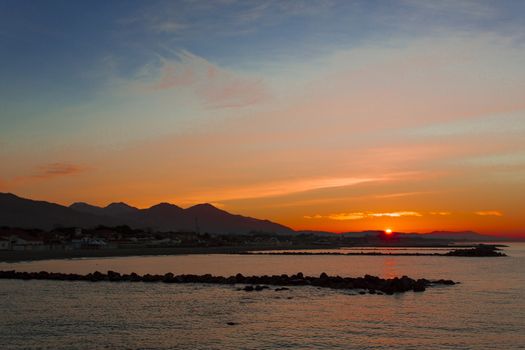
x=366, y=284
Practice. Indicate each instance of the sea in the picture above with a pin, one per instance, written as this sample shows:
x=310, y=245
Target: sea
x=485, y=311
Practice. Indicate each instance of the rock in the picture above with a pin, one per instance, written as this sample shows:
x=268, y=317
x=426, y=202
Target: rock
x=368, y=283
x=114, y=276
x=446, y=282
x=135, y=278
x=239, y=278
x=419, y=286
x=168, y=278
x=258, y=288
x=481, y=250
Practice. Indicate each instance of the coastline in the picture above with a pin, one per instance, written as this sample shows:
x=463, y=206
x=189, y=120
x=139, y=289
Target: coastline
x=10, y=256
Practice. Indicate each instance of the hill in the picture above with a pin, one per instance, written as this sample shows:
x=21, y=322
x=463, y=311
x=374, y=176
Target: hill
x=26, y=213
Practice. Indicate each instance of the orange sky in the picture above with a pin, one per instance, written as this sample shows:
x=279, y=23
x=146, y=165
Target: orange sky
x=416, y=126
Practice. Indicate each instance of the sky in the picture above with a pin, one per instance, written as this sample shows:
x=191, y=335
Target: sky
x=320, y=115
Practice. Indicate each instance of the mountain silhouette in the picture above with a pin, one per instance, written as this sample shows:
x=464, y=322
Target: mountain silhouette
x=26, y=213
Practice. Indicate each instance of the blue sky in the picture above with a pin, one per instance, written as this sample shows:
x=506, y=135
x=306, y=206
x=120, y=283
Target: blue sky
x=60, y=50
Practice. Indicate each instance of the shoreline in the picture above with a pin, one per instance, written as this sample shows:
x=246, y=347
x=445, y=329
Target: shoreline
x=11, y=256
x=30, y=255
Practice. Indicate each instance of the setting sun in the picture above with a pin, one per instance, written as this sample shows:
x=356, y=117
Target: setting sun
x=388, y=231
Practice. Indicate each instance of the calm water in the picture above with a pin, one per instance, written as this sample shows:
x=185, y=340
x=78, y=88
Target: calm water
x=485, y=311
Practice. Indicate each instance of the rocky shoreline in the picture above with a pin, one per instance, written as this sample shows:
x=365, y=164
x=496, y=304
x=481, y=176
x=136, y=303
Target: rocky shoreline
x=368, y=283
x=481, y=250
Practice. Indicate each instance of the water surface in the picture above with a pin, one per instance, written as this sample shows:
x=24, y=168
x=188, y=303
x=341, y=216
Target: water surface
x=485, y=311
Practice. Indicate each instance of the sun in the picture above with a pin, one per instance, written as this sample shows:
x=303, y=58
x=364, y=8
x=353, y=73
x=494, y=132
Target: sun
x=388, y=231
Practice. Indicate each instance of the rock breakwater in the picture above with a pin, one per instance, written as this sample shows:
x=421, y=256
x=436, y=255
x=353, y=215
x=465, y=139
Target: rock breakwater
x=372, y=284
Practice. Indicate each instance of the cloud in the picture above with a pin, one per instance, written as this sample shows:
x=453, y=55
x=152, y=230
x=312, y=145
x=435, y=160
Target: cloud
x=167, y=26
x=157, y=19
x=396, y=214
x=347, y=216
x=55, y=170
x=402, y=194
x=216, y=87
x=313, y=216
x=43, y=172
x=279, y=188
x=363, y=215
x=489, y=213
x=440, y=213
x=471, y=9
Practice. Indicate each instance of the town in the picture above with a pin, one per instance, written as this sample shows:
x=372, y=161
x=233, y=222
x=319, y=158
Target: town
x=124, y=237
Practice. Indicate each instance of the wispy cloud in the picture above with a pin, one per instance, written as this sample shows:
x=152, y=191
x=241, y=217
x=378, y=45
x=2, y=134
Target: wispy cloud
x=41, y=173
x=167, y=26
x=278, y=188
x=489, y=213
x=56, y=169
x=402, y=194
x=157, y=19
x=363, y=215
x=440, y=213
x=214, y=86
x=472, y=9
x=347, y=216
x=317, y=216
x=396, y=214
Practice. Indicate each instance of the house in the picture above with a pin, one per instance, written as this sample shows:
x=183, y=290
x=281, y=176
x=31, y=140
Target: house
x=24, y=241
x=107, y=234
x=88, y=243
x=5, y=243
x=20, y=239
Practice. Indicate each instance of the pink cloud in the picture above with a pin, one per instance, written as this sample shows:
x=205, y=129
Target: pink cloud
x=227, y=90
x=173, y=76
x=42, y=172
x=215, y=86
x=51, y=170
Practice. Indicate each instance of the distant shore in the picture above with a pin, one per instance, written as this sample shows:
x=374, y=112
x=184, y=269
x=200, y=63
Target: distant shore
x=32, y=255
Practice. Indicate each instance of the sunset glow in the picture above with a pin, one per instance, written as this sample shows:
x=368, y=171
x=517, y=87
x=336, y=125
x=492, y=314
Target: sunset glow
x=249, y=174
x=353, y=117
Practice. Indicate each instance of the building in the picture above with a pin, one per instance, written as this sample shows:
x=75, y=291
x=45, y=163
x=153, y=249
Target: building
x=5, y=243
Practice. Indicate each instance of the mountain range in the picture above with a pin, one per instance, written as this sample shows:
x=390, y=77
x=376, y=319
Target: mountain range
x=26, y=213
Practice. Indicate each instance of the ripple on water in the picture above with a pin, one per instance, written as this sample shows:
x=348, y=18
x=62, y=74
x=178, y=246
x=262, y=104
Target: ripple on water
x=485, y=311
